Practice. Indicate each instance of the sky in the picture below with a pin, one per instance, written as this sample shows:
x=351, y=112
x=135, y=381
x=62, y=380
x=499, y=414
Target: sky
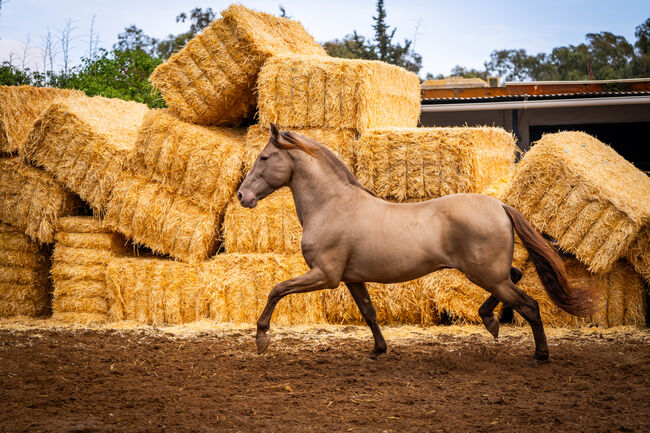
x=446, y=33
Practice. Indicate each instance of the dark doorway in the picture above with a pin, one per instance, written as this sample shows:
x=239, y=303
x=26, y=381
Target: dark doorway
x=630, y=140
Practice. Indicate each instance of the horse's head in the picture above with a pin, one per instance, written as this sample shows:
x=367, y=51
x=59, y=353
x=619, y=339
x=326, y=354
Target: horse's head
x=272, y=168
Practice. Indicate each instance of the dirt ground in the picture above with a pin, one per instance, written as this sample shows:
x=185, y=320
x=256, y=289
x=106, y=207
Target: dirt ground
x=202, y=379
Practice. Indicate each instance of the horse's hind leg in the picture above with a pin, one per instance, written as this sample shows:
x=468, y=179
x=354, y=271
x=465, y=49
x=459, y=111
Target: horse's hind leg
x=362, y=298
x=513, y=296
x=486, y=311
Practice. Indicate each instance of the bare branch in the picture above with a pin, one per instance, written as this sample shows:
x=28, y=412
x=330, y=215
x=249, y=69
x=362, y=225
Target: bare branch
x=65, y=37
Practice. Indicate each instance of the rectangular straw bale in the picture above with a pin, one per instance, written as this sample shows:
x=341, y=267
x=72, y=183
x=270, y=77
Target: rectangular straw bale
x=396, y=304
x=13, y=239
x=201, y=163
x=151, y=215
x=23, y=299
x=32, y=200
x=325, y=92
x=211, y=80
x=584, y=194
x=341, y=141
x=226, y=288
x=85, y=142
x=271, y=227
x=24, y=266
x=244, y=281
x=639, y=253
x=413, y=164
x=20, y=106
x=621, y=292
x=79, y=271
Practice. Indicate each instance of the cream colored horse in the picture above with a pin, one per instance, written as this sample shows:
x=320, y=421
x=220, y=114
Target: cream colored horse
x=352, y=236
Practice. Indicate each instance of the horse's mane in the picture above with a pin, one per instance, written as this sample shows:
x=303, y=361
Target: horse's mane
x=314, y=148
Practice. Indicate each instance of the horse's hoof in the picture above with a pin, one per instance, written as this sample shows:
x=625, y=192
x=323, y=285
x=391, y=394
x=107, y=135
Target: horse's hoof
x=374, y=353
x=492, y=325
x=262, y=342
x=541, y=357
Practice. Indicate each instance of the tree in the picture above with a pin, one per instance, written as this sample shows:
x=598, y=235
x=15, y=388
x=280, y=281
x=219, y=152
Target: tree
x=611, y=55
x=353, y=46
x=12, y=76
x=642, y=33
x=381, y=47
x=461, y=71
x=118, y=74
x=134, y=39
x=199, y=19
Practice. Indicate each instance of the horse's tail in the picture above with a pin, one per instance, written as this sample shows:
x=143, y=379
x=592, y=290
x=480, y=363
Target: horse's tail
x=579, y=301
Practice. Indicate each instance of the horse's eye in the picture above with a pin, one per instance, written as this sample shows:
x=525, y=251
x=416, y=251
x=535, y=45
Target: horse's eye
x=264, y=158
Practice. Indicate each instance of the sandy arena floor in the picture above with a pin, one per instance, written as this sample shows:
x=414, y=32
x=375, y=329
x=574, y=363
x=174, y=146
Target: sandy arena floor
x=208, y=378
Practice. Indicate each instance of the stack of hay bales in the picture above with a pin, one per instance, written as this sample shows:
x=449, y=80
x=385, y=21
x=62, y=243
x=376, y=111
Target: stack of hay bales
x=24, y=267
x=178, y=181
x=181, y=177
x=20, y=106
x=594, y=203
x=84, y=143
x=32, y=200
x=211, y=80
x=81, y=253
x=227, y=288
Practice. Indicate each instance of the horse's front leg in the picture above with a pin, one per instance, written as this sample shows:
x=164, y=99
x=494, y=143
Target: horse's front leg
x=362, y=298
x=313, y=280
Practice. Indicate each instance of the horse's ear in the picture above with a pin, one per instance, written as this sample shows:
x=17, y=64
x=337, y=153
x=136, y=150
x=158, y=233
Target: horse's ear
x=275, y=132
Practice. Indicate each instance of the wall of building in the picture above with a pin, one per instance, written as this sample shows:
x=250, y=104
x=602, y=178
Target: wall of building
x=526, y=119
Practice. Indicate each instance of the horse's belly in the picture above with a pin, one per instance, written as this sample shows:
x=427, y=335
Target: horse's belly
x=392, y=265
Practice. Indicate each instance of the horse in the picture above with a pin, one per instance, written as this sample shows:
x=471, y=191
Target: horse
x=352, y=236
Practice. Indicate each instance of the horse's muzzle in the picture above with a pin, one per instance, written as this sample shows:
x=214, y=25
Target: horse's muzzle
x=247, y=200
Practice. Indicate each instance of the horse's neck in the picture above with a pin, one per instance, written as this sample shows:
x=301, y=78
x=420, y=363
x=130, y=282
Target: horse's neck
x=313, y=184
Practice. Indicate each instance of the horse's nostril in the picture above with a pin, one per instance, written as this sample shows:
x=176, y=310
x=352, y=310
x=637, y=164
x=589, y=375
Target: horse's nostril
x=239, y=195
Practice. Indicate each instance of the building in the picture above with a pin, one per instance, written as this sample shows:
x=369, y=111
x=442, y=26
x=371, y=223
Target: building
x=615, y=111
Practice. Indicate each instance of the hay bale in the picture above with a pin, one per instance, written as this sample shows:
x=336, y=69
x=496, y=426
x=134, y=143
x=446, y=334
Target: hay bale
x=413, y=164
x=226, y=288
x=203, y=164
x=211, y=80
x=20, y=106
x=581, y=192
x=326, y=92
x=85, y=142
x=24, y=283
x=273, y=226
x=81, y=254
x=32, y=200
x=639, y=253
x=396, y=304
x=168, y=223
x=621, y=293
x=341, y=141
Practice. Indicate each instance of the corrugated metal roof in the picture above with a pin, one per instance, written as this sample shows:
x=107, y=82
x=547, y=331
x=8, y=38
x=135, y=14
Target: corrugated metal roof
x=526, y=97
